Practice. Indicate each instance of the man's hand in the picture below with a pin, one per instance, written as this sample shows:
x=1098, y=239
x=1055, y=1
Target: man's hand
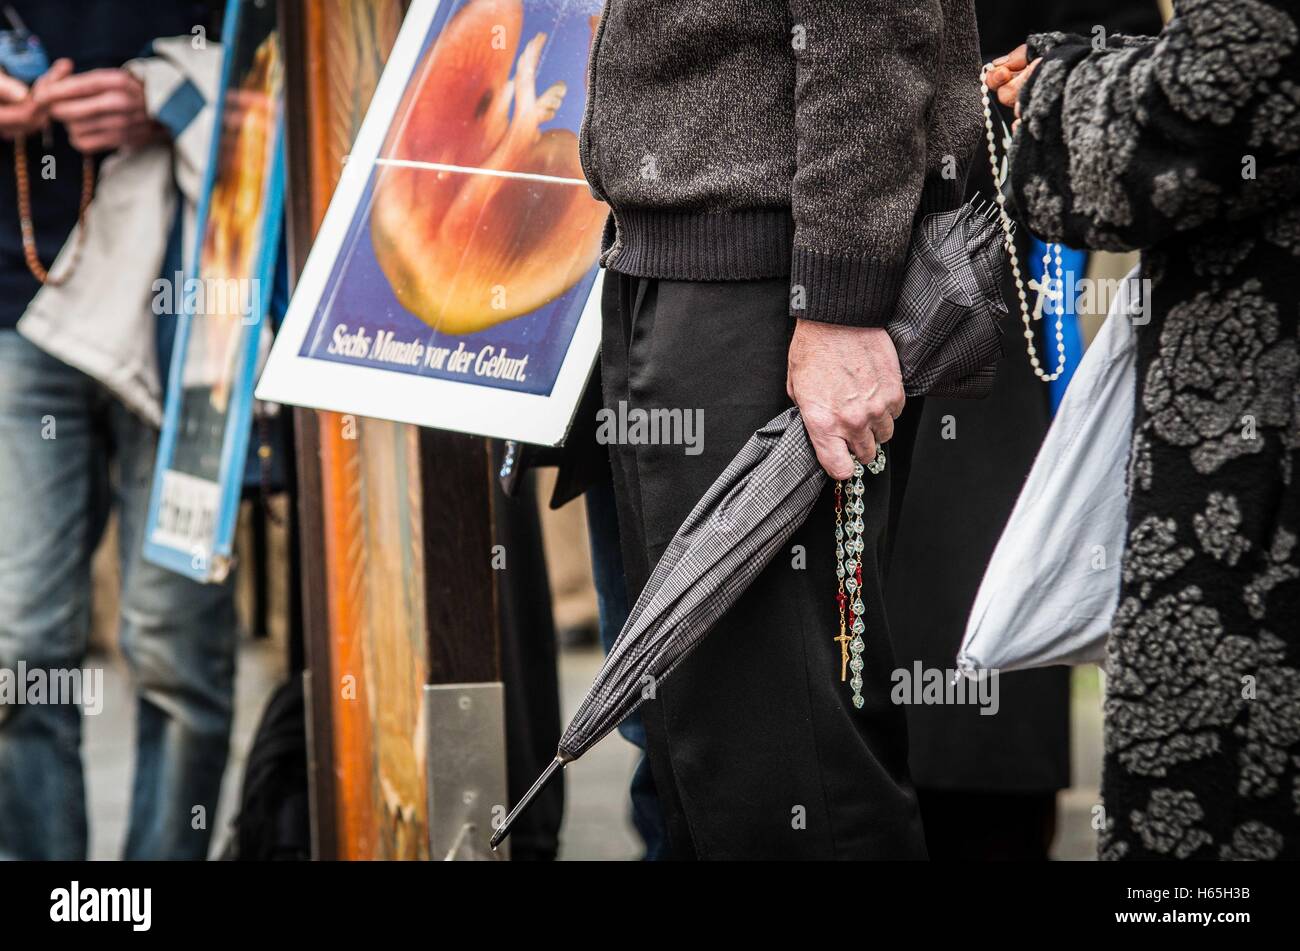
x=1009, y=75
x=103, y=109
x=849, y=390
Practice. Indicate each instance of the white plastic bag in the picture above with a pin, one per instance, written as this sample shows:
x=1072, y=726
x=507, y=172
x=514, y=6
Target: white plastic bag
x=1052, y=585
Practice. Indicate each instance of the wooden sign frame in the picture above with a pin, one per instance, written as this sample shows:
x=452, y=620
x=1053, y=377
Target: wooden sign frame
x=396, y=521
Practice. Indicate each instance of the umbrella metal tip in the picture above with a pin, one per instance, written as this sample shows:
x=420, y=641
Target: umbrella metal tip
x=548, y=774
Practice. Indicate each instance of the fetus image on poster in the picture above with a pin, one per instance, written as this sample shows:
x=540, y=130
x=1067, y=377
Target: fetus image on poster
x=480, y=215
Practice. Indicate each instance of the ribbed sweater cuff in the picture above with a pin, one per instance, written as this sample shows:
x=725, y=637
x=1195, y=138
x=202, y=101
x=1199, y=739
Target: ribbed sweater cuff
x=703, y=246
x=840, y=289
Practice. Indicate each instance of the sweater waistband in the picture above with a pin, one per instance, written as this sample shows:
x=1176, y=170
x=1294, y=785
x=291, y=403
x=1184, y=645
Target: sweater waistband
x=701, y=246
x=742, y=245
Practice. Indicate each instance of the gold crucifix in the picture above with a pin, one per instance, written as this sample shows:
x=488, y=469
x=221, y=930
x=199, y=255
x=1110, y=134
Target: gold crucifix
x=844, y=653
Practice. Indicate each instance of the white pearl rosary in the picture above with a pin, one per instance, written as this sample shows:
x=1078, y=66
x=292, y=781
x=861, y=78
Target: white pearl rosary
x=1052, y=288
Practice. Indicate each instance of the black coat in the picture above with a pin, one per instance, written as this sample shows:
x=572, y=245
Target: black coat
x=1197, y=164
x=1005, y=24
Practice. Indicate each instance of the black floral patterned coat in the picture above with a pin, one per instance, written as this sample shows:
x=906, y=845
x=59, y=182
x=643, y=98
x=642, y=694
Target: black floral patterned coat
x=1187, y=146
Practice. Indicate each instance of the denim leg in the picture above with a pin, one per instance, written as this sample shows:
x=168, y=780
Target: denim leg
x=179, y=638
x=53, y=488
x=611, y=599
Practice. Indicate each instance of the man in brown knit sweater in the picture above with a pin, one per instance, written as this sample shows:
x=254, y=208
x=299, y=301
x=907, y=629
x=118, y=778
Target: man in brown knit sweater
x=765, y=162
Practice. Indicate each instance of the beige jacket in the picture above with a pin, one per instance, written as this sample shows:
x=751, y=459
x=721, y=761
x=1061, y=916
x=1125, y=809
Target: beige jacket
x=102, y=320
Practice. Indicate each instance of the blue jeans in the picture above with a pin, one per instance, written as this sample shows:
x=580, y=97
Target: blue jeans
x=68, y=451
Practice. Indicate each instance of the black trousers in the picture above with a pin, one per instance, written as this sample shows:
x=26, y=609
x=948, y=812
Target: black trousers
x=984, y=826
x=756, y=748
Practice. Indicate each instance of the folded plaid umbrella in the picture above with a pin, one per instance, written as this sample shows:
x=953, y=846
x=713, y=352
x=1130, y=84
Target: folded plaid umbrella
x=946, y=325
x=946, y=332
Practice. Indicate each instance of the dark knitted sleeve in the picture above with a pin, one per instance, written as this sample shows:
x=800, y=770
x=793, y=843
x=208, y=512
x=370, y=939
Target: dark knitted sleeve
x=865, y=79
x=1121, y=147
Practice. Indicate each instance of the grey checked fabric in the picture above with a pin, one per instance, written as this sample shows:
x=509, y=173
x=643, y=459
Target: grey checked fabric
x=946, y=323
x=946, y=331
x=758, y=502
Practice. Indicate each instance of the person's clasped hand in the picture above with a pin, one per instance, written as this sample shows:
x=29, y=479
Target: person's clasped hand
x=848, y=386
x=103, y=109
x=1008, y=77
x=21, y=111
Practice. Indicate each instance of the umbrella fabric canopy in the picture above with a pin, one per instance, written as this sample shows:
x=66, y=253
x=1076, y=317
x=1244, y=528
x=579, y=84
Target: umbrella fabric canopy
x=946, y=332
x=758, y=502
x=946, y=326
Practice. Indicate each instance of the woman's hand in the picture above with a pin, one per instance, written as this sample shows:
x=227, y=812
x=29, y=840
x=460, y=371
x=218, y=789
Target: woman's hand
x=1009, y=75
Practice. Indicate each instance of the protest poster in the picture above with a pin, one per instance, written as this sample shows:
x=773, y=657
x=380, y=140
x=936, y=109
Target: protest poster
x=221, y=332
x=454, y=281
